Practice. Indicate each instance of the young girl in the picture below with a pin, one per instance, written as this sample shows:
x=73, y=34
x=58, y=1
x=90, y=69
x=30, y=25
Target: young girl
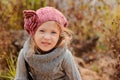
x=45, y=52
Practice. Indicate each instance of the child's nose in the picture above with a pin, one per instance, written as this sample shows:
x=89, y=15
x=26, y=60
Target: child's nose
x=47, y=36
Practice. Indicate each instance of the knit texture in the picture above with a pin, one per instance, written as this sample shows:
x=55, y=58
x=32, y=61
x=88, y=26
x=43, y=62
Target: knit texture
x=34, y=19
x=56, y=65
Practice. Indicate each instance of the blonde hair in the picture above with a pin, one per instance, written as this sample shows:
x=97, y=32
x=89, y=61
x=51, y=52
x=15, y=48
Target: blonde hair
x=65, y=36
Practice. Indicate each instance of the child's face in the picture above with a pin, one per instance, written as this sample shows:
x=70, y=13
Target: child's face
x=47, y=35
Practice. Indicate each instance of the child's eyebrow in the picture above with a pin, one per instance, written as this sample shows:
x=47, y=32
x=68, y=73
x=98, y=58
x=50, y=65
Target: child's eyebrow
x=42, y=28
x=54, y=30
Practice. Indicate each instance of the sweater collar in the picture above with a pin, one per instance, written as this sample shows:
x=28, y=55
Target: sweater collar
x=43, y=57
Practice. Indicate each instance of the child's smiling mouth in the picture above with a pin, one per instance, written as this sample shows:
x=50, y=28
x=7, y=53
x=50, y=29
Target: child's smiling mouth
x=46, y=43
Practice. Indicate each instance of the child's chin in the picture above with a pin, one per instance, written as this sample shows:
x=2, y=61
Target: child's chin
x=46, y=50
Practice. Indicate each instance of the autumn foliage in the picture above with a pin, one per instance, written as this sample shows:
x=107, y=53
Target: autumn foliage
x=96, y=38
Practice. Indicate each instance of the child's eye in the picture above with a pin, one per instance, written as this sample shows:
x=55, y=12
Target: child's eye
x=54, y=32
x=42, y=31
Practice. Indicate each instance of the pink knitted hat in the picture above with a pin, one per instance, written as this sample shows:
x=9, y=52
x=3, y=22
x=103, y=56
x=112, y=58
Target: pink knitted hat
x=33, y=19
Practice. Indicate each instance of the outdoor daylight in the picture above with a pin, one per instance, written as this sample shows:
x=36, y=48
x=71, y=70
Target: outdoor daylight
x=74, y=39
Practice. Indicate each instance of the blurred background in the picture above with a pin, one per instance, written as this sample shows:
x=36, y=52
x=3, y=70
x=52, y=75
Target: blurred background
x=96, y=39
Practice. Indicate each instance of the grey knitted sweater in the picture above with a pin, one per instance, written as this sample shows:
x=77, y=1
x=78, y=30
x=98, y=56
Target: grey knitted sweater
x=56, y=65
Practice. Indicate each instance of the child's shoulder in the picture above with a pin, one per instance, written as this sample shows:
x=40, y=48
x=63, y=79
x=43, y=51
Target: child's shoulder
x=68, y=53
x=25, y=47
